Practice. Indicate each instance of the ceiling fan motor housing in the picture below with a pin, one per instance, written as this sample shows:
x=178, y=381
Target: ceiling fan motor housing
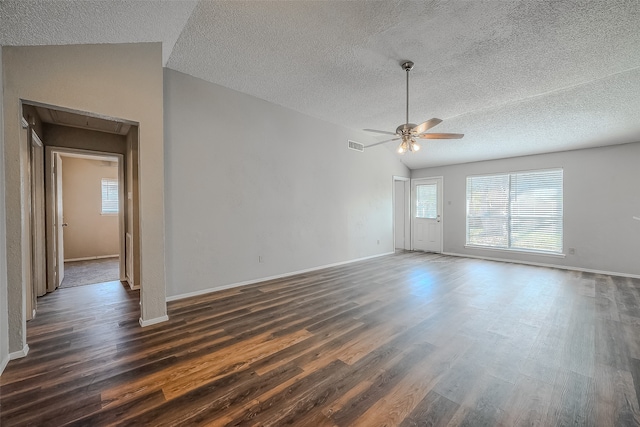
x=405, y=129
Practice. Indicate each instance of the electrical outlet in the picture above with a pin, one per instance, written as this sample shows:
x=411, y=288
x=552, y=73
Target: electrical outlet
x=572, y=251
x=259, y=258
x=378, y=241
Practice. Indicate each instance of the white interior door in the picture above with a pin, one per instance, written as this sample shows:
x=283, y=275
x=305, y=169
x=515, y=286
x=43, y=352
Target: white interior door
x=399, y=213
x=427, y=214
x=39, y=263
x=402, y=212
x=29, y=298
x=59, y=219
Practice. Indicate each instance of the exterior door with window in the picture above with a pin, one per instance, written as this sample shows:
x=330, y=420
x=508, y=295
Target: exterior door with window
x=427, y=215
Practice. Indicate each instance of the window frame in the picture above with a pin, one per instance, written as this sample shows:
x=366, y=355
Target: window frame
x=509, y=216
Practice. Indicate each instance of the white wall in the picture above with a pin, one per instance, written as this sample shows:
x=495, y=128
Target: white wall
x=89, y=233
x=601, y=195
x=247, y=179
x=4, y=318
x=122, y=81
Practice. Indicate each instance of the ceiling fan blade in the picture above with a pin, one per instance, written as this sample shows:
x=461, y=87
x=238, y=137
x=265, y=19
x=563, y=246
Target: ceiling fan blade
x=382, y=142
x=441, y=135
x=380, y=131
x=423, y=127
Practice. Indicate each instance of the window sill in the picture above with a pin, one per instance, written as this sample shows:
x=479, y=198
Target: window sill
x=518, y=251
x=109, y=213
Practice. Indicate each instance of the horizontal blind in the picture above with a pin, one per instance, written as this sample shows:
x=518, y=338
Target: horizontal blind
x=109, y=195
x=520, y=210
x=536, y=210
x=488, y=210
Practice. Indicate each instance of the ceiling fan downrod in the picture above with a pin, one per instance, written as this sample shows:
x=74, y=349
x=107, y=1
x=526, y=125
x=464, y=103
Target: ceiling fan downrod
x=407, y=66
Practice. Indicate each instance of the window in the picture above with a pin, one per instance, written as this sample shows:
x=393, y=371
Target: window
x=521, y=210
x=109, y=196
x=426, y=200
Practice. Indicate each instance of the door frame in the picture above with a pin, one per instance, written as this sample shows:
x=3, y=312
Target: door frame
x=440, y=179
x=407, y=210
x=50, y=201
x=37, y=219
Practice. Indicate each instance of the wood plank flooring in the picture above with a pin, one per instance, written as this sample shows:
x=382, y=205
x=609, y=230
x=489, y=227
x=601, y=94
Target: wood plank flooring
x=410, y=339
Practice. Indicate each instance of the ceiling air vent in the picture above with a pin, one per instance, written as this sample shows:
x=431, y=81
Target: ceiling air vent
x=356, y=146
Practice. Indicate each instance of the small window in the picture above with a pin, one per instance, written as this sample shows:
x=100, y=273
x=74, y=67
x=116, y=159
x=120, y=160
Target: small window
x=427, y=201
x=109, y=196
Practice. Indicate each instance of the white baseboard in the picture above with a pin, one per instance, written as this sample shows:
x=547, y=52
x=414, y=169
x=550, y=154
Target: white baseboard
x=150, y=322
x=92, y=257
x=541, y=264
x=3, y=363
x=264, y=279
x=20, y=353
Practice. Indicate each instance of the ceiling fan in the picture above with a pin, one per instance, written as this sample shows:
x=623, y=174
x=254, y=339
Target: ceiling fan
x=408, y=132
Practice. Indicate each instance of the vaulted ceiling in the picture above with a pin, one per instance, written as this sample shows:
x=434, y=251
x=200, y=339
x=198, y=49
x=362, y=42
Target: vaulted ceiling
x=516, y=77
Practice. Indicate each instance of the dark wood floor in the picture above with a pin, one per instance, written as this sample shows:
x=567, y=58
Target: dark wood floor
x=408, y=339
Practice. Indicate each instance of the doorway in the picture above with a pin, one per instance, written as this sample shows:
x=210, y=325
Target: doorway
x=427, y=214
x=88, y=211
x=58, y=137
x=401, y=213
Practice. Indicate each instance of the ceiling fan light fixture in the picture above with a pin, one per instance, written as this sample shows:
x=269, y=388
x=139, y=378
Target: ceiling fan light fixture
x=414, y=146
x=402, y=148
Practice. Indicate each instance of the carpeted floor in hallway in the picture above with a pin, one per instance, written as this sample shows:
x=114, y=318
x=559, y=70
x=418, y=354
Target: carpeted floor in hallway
x=78, y=273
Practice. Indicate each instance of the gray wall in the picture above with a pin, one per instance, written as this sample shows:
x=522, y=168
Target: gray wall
x=4, y=319
x=247, y=179
x=601, y=195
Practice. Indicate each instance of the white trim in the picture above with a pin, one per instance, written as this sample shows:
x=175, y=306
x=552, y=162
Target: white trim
x=264, y=279
x=3, y=364
x=91, y=258
x=20, y=353
x=87, y=155
x=150, y=322
x=132, y=287
x=35, y=138
x=542, y=264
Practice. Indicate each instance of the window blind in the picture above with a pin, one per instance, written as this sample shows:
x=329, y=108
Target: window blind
x=109, y=195
x=521, y=210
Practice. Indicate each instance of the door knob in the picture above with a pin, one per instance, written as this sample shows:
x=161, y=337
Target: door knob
x=64, y=224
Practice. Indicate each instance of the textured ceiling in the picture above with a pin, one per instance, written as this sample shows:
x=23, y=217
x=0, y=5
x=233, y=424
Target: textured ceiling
x=42, y=22
x=516, y=77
